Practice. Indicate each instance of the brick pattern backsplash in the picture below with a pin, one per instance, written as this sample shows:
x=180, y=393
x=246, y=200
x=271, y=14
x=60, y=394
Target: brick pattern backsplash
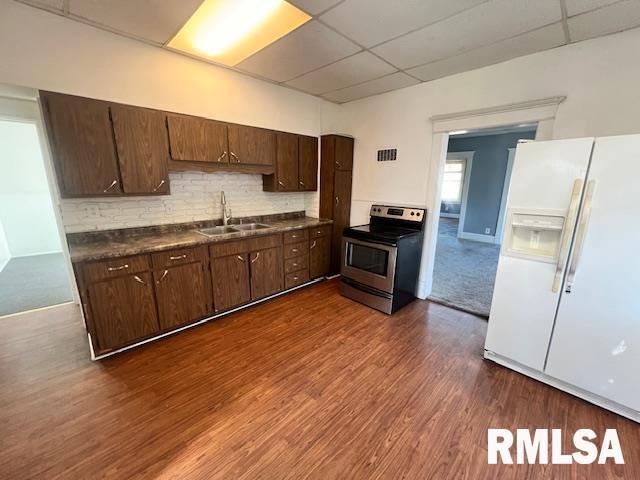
x=194, y=196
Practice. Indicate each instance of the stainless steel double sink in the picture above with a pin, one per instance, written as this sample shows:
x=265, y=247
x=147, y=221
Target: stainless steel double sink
x=224, y=229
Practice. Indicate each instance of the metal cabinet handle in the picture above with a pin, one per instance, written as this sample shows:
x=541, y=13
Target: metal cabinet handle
x=257, y=256
x=295, y=235
x=235, y=156
x=164, y=274
x=337, y=201
x=240, y=257
x=139, y=280
x=582, y=231
x=295, y=277
x=115, y=269
x=295, y=264
x=313, y=245
x=178, y=257
x=224, y=154
x=281, y=184
x=294, y=250
x=159, y=185
x=302, y=183
x=113, y=184
x=566, y=234
x=338, y=164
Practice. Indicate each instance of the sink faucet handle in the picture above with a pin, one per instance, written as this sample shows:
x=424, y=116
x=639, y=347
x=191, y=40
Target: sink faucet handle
x=223, y=198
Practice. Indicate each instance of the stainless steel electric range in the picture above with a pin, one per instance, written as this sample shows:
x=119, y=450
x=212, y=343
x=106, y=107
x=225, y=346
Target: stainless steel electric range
x=381, y=260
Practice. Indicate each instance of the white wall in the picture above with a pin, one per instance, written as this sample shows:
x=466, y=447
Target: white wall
x=26, y=210
x=5, y=255
x=46, y=51
x=599, y=77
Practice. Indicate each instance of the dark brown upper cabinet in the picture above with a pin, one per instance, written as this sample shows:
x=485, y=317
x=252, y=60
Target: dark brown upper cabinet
x=343, y=153
x=296, y=164
x=82, y=145
x=143, y=149
x=307, y=163
x=197, y=139
x=251, y=145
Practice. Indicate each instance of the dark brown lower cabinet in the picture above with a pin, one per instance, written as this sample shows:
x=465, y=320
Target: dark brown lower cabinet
x=183, y=294
x=319, y=256
x=124, y=310
x=266, y=272
x=231, y=285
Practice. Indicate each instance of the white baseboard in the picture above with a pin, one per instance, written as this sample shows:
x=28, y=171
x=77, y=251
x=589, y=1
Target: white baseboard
x=477, y=237
x=565, y=387
x=450, y=215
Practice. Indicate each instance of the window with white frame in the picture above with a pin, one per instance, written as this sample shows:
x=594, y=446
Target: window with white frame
x=453, y=180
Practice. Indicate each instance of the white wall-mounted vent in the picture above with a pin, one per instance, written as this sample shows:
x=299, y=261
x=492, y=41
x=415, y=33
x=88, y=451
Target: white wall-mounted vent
x=387, y=155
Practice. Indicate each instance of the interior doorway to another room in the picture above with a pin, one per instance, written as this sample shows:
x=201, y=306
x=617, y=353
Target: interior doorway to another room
x=34, y=271
x=472, y=213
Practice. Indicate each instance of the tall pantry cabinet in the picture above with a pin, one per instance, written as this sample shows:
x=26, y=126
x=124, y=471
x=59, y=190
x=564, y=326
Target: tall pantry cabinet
x=335, y=189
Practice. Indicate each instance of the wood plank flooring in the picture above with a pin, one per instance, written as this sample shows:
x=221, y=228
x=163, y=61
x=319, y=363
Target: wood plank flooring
x=309, y=385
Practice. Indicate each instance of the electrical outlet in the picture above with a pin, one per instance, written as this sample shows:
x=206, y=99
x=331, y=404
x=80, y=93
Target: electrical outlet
x=487, y=231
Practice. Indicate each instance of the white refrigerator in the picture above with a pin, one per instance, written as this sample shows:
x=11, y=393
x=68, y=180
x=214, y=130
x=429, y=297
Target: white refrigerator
x=566, y=303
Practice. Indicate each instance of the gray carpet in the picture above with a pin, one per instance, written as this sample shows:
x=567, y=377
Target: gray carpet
x=34, y=282
x=464, y=270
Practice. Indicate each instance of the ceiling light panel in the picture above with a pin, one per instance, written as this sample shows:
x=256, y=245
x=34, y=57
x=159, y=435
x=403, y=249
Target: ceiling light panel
x=153, y=20
x=228, y=31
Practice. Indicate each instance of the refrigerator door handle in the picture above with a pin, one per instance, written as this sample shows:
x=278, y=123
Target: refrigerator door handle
x=569, y=222
x=582, y=231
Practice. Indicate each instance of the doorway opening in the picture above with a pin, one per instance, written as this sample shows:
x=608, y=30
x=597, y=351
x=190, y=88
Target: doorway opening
x=34, y=271
x=472, y=213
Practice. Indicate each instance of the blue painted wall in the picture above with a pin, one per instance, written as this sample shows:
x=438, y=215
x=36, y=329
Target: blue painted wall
x=487, y=176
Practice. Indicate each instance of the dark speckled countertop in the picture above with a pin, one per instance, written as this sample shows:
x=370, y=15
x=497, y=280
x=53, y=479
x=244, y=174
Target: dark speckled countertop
x=117, y=243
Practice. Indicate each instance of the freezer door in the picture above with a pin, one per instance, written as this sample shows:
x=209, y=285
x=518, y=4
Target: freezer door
x=526, y=293
x=596, y=340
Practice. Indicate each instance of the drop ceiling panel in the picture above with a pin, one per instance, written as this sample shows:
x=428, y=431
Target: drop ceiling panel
x=153, y=20
x=370, y=22
x=479, y=26
x=525, y=44
x=314, y=7
x=48, y=4
x=576, y=7
x=615, y=18
x=385, y=84
x=344, y=73
x=309, y=47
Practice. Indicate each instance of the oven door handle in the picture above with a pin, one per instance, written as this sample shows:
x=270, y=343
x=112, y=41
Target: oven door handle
x=366, y=289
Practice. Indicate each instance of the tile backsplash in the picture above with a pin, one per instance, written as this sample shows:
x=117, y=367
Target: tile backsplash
x=194, y=196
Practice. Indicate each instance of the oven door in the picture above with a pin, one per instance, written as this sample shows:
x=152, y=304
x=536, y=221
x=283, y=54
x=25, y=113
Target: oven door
x=370, y=263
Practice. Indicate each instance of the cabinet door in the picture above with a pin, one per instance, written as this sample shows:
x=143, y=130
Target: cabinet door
x=143, y=149
x=81, y=138
x=319, y=257
x=344, y=153
x=266, y=272
x=124, y=310
x=251, y=146
x=230, y=281
x=341, y=214
x=197, y=139
x=182, y=294
x=287, y=162
x=307, y=163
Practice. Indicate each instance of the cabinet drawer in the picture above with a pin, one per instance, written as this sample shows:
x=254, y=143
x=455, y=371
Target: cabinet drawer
x=295, y=236
x=179, y=256
x=296, y=278
x=103, y=269
x=244, y=246
x=322, y=231
x=296, y=249
x=296, y=264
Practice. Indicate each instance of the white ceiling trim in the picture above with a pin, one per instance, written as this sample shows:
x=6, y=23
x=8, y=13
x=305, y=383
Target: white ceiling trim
x=512, y=113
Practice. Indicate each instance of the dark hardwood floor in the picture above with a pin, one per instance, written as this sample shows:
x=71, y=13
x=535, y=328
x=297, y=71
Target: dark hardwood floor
x=309, y=385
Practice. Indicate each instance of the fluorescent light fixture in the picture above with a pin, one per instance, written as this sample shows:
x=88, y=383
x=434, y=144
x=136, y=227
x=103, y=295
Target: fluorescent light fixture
x=459, y=132
x=228, y=31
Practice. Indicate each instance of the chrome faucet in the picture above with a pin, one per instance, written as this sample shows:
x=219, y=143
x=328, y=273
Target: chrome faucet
x=226, y=212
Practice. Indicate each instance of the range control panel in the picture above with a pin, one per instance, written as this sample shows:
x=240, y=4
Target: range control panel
x=401, y=213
